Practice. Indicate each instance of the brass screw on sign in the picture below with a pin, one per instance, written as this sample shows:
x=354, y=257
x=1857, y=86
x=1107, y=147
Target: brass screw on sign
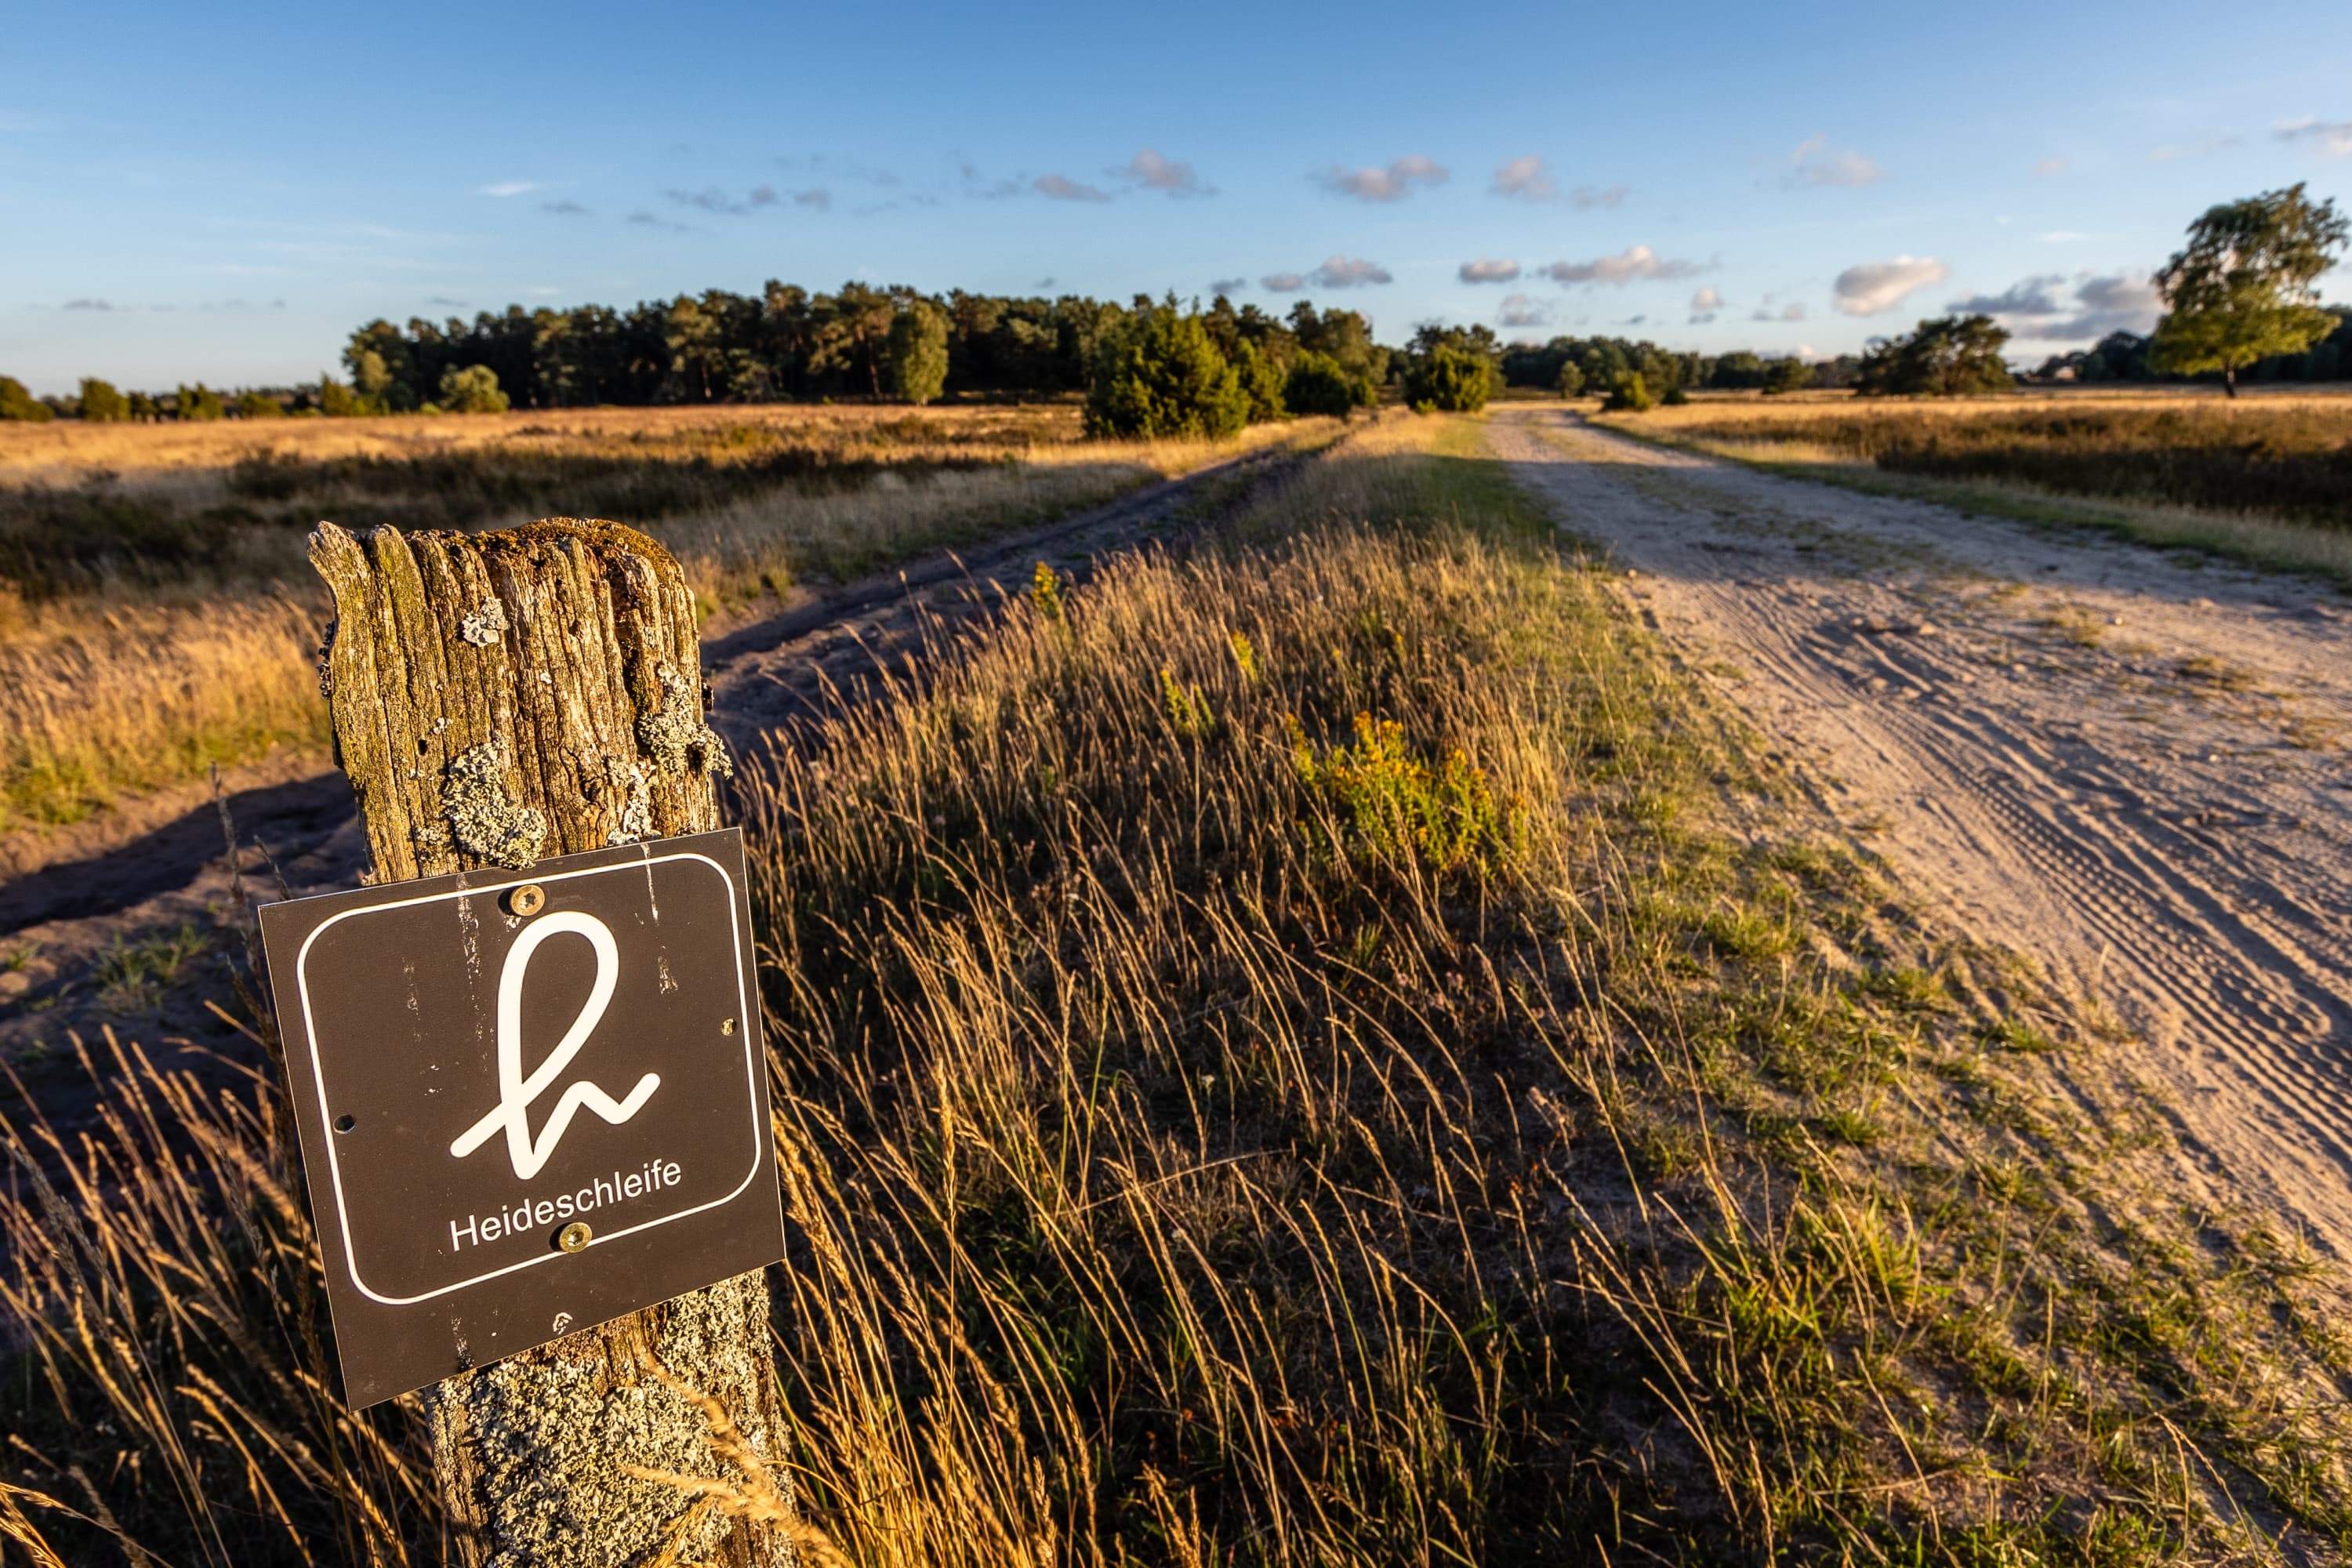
x=575, y=1238
x=528, y=900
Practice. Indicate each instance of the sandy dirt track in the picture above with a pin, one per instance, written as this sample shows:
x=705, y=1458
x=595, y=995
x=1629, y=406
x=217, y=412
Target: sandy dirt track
x=2129, y=765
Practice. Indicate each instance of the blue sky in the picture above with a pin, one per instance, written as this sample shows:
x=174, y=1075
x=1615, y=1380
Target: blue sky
x=225, y=192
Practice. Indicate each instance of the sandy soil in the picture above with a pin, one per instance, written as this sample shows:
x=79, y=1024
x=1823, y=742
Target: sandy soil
x=2128, y=764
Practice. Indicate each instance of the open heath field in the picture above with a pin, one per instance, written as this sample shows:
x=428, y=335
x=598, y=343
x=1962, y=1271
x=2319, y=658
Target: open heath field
x=1339, y=1046
x=157, y=615
x=2262, y=477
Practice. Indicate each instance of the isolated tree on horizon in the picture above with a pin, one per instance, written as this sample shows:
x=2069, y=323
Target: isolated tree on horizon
x=1949, y=356
x=2242, y=288
x=919, y=352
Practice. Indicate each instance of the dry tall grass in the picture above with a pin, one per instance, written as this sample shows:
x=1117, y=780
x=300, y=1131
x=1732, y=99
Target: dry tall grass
x=2267, y=480
x=1332, y=1053
x=176, y=621
x=132, y=696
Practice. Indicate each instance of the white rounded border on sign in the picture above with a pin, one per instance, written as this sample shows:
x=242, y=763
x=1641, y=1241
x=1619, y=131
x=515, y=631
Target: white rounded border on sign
x=645, y=862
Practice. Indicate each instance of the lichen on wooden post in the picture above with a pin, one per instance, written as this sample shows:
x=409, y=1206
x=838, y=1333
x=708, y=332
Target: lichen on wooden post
x=497, y=698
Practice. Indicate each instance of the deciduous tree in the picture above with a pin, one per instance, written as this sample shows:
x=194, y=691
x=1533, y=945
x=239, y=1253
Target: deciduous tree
x=16, y=403
x=101, y=403
x=2242, y=286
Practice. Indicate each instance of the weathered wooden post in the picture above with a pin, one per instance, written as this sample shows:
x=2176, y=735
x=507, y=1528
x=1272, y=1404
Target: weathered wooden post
x=499, y=698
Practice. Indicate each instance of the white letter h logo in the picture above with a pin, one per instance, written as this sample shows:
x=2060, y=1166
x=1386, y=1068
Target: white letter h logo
x=515, y=1092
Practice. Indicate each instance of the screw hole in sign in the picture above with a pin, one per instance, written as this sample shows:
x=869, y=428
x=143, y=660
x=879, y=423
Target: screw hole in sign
x=515, y=1092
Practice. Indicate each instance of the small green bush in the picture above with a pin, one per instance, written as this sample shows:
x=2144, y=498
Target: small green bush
x=1317, y=386
x=16, y=403
x=101, y=403
x=1628, y=393
x=472, y=390
x=1451, y=380
x=197, y=402
x=1159, y=375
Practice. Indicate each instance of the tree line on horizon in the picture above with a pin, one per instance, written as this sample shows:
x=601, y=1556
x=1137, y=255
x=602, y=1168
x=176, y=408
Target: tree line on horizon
x=2240, y=299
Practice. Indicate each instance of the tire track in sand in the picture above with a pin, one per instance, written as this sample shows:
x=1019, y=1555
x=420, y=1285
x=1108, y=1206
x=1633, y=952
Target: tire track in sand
x=2120, y=763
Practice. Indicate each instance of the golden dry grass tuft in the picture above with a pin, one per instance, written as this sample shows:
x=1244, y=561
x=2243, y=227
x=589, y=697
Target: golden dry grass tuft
x=1330, y=1051
x=95, y=702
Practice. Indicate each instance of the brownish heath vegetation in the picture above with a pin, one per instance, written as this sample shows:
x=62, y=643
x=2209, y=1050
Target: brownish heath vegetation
x=153, y=584
x=2266, y=479
x=1333, y=1050
x=2291, y=459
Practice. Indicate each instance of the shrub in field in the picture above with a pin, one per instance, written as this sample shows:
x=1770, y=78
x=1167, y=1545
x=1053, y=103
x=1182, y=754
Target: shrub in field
x=1951, y=356
x=197, y=402
x=1159, y=375
x=471, y=390
x=1790, y=374
x=101, y=403
x=1628, y=393
x=918, y=353
x=1317, y=386
x=16, y=403
x=258, y=405
x=1451, y=379
x=1570, y=380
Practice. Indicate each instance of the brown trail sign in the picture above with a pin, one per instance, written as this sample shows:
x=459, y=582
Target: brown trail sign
x=499, y=700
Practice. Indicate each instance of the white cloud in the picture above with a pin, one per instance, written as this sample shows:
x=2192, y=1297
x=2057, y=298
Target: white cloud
x=1705, y=304
x=1521, y=311
x=1526, y=178
x=1590, y=196
x=1224, y=286
x=1347, y=272
x=1488, y=271
x=2332, y=137
x=1281, y=282
x=2197, y=149
x=2037, y=309
x=1060, y=188
x=1870, y=287
x=1154, y=173
x=2051, y=165
x=1393, y=183
x=1816, y=163
x=1634, y=262
x=509, y=189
